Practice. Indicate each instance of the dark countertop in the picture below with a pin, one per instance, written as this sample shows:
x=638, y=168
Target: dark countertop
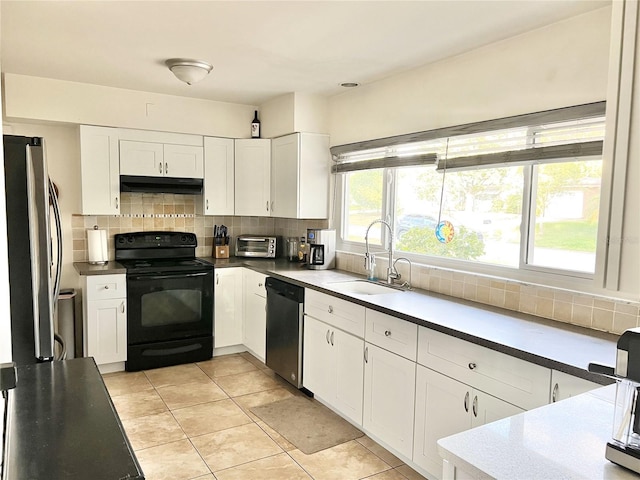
x=62, y=425
x=110, y=268
x=548, y=343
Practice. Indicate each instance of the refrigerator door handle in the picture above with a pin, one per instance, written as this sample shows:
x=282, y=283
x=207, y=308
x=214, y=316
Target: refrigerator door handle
x=39, y=243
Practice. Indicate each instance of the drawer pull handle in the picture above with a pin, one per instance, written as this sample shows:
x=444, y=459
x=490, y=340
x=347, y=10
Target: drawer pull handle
x=160, y=167
x=475, y=406
x=387, y=333
x=217, y=279
x=327, y=336
x=122, y=307
x=332, y=333
x=366, y=354
x=554, y=397
x=330, y=309
x=166, y=168
x=259, y=284
x=466, y=402
x=117, y=202
x=472, y=366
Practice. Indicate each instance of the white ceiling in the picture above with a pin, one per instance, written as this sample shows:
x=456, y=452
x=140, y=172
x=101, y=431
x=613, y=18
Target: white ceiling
x=259, y=49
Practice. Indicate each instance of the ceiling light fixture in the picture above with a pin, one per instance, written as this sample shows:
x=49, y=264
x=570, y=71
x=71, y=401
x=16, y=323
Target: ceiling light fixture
x=187, y=70
x=350, y=84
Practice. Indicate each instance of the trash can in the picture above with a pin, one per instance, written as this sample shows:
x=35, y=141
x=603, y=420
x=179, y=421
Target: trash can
x=69, y=325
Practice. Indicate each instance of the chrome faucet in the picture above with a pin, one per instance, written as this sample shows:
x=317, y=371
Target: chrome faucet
x=370, y=259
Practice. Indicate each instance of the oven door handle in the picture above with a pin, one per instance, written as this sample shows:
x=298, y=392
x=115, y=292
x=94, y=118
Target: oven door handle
x=173, y=275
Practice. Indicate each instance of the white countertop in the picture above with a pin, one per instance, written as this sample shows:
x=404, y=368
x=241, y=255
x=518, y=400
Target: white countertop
x=564, y=440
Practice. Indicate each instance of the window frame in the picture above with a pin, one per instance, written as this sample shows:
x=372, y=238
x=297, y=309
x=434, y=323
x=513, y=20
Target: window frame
x=524, y=272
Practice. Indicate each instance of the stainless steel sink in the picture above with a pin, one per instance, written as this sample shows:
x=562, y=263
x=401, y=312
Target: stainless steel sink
x=362, y=287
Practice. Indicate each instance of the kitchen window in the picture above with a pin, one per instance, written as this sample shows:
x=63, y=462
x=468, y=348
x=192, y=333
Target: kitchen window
x=524, y=197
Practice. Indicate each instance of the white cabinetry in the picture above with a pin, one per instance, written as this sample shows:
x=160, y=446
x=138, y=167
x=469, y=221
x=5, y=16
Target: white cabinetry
x=105, y=316
x=228, y=293
x=219, y=177
x=160, y=160
x=254, y=334
x=99, y=171
x=332, y=358
x=564, y=386
x=445, y=407
x=389, y=394
x=252, y=177
x=300, y=176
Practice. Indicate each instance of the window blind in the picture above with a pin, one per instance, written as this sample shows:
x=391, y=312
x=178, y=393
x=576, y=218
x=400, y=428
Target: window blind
x=551, y=136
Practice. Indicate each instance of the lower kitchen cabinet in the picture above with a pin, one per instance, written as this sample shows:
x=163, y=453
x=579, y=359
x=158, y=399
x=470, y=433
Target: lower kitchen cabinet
x=228, y=307
x=565, y=386
x=254, y=334
x=444, y=407
x=333, y=367
x=105, y=313
x=389, y=394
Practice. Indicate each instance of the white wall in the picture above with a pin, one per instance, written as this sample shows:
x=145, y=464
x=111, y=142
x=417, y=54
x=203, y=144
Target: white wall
x=5, y=312
x=48, y=100
x=559, y=65
x=294, y=112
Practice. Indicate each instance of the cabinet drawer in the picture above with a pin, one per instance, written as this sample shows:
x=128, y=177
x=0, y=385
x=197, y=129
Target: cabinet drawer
x=514, y=380
x=391, y=333
x=102, y=287
x=336, y=312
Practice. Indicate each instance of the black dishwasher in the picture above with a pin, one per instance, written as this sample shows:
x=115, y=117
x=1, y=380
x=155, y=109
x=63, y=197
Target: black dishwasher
x=285, y=304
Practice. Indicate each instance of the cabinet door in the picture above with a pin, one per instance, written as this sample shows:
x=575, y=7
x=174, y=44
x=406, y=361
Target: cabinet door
x=319, y=363
x=443, y=406
x=219, y=175
x=389, y=394
x=252, y=177
x=228, y=307
x=486, y=408
x=106, y=330
x=183, y=161
x=255, y=314
x=99, y=171
x=349, y=373
x=314, y=164
x=565, y=386
x=141, y=158
x=285, y=185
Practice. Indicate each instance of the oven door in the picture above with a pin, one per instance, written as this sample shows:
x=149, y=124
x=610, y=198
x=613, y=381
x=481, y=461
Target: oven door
x=169, y=306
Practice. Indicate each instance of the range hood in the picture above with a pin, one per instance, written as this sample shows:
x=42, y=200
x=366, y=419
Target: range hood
x=134, y=183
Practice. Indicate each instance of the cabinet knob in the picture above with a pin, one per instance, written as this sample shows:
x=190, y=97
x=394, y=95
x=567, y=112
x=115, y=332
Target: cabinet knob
x=387, y=333
x=472, y=366
x=259, y=284
x=330, y=309
x=106, y=287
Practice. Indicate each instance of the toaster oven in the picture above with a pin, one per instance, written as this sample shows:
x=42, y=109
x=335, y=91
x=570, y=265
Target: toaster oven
x=256, y=246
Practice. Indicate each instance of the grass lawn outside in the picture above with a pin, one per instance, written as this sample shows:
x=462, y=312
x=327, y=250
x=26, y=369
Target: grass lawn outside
x=577, y=236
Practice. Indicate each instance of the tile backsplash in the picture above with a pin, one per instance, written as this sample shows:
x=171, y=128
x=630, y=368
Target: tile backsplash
x=144, y=212
x=591, y=311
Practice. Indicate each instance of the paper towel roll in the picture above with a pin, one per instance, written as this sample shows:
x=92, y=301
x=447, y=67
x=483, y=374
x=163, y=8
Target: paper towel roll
x=97, y=245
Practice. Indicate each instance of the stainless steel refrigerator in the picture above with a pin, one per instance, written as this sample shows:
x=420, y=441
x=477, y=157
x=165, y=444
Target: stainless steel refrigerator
x=34, y=279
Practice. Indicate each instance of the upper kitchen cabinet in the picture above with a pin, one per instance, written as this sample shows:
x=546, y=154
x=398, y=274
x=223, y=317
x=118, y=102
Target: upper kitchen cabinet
x=300, y=176
x=252, y=177
x=218, y=196
x=99, y=170
x=160, y=154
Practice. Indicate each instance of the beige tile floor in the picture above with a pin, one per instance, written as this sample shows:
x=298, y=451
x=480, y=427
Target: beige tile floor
x=192, y=422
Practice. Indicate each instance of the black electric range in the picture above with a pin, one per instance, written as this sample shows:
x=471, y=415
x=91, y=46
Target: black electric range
x=169, y=299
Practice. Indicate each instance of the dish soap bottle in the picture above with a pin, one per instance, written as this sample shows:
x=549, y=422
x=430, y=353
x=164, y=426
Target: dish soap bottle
x=255, y=126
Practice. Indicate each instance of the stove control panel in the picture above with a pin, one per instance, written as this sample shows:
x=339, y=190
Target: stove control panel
x=135, y=240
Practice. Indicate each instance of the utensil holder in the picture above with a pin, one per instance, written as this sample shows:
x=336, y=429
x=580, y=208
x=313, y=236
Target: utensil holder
x=221, y=251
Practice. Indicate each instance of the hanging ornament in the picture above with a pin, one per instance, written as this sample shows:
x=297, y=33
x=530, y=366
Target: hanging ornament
x=444, y=229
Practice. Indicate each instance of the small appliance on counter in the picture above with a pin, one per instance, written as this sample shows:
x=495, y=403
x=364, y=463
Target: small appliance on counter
x=256, y=246
x=322, y=249
x=624, y=447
